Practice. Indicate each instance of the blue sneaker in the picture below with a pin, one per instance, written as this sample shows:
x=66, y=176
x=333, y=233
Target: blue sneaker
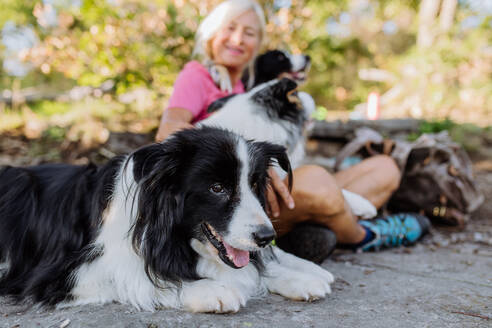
x=395, y=230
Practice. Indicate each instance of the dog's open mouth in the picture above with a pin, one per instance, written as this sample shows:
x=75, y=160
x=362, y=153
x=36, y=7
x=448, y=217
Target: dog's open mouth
x=299, y=76
x=231, y=256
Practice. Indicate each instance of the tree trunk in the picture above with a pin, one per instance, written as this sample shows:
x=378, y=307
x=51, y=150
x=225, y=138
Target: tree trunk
x=427, y=15
x=446, y=16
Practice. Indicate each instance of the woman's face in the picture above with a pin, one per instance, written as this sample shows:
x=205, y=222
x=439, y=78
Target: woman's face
x=237, y=42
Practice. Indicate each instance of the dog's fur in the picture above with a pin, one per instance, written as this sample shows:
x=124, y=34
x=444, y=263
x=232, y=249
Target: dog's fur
x=273, y=111
x=179, y=224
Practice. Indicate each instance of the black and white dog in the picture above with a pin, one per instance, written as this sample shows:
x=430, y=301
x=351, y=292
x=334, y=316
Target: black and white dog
x=179, y=224
x=276, y=112
x=273, y=111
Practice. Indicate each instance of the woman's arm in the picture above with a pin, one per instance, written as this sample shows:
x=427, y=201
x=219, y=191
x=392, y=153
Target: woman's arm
x=173, y=119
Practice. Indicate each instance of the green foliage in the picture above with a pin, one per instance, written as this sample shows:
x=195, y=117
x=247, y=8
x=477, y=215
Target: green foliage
x=19, y=12
x=44, y=148
x=320, y=113
x=10, y=120
x=144, y=44
x=55, y=133
x=50, y=108
x=330, y=70
x=436, y=126
x=470, y=136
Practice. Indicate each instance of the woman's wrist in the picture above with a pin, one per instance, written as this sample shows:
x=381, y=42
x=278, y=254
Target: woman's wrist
x=173, y=120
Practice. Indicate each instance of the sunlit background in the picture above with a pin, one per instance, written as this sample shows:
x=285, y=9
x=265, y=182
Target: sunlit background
x=76, y=70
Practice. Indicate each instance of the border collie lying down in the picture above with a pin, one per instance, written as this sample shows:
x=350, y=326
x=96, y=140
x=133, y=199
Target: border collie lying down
x=275, y=112
x=179, y=224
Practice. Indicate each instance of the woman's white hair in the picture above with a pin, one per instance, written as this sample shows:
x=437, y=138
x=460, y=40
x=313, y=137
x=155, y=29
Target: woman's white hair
x=219, y=17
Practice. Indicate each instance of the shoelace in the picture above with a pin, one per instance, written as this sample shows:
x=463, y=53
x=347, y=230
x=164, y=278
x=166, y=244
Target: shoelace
x=392, y=230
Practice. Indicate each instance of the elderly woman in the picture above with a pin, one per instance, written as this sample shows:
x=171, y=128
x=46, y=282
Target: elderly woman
x=308, y=219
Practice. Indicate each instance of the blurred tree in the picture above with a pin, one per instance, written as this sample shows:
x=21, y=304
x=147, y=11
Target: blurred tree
x=427, y=14
x=448, y=10
x=19, y=12
x=436, y=65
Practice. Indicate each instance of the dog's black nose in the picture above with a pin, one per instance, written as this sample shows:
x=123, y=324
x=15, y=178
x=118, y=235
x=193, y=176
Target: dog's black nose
x=308, y=58
x=264, y=236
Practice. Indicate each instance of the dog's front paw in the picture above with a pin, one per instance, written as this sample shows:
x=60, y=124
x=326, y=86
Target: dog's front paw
x=210, y=296
x=314, y=269
x=292, y=262
x=299, y=286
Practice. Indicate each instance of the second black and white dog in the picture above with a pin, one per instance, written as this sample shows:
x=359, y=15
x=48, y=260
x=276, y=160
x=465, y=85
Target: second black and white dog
x=273, y=111
x=179, y=224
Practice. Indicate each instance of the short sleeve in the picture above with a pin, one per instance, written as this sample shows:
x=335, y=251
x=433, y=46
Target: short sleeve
x=190, y=90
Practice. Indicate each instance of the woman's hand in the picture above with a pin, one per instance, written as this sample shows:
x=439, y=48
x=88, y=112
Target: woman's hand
x=277, y=187
x=173, y=120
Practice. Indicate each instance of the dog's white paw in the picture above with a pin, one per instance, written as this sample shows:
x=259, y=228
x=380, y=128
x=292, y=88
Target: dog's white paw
x=317, y=270
x=210, y=296
x=295, y=263
x=299, y=286
x=359, y=205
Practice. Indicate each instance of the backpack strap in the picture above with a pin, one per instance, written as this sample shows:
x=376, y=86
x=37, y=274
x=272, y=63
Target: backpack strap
x=387, y=148
x=364, y=137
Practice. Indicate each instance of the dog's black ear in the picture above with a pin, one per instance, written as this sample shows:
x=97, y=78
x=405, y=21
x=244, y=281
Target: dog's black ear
x=157, y=237
x=283, y=161
x=277, y=153
x=219, y=103
x=144, y=160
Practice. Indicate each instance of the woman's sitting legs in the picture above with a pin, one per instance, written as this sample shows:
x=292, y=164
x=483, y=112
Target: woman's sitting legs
x=319, y=200
x=375, y=179
x=318, y=197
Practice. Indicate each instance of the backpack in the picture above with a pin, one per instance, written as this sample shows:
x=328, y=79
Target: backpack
x=437, y=178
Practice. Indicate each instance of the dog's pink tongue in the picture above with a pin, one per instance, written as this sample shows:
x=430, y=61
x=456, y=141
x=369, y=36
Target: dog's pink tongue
x=239, y=257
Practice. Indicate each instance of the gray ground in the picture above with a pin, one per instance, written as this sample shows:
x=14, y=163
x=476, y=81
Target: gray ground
x=445, y=281
x=428, y=286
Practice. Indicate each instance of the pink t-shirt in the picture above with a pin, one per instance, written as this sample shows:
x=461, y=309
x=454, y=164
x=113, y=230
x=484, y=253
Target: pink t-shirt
x=195, y=90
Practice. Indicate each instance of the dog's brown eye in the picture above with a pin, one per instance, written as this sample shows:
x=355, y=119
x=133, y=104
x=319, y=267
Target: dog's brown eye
x=217, y=188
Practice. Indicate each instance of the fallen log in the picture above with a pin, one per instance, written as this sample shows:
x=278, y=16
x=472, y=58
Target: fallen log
x=346, y=129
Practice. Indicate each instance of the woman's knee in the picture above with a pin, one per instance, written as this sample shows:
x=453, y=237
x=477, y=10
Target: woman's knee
x=318, y=188
x=388, y=170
